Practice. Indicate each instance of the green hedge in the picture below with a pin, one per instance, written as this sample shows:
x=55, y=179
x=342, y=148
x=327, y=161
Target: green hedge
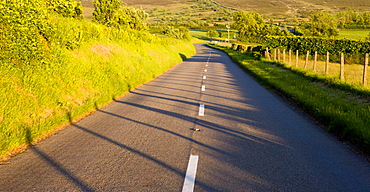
x=321, y=45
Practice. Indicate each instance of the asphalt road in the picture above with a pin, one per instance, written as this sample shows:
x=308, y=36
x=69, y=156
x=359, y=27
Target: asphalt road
x=159, y=138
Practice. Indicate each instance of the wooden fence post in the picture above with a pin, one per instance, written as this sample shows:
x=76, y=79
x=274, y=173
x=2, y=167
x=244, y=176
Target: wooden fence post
x=327, y=63
x=296, y=58
x=315, y=62
x=365, y=68
x=290, y=57
x=274, y=54
x=266, y=52
x=306, y=63
x=284, y=55
x=341, y=66
x=278, y=54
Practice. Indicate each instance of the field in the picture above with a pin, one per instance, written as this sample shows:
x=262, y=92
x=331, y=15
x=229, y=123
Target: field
x=354, y=34
x=177, y=12
x=273, y=8
x=203, y=11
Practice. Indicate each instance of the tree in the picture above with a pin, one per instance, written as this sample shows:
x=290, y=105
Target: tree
x=368, y=37
x=251, y=27
x=113, y=14
x=179, y=33
x=213, y=33
x=106, y=11
x=349, y=18
x=320, y=24
x=131, y=18
x=243, y=20
x=26, y=30
x=366, y=17
x=66, y=8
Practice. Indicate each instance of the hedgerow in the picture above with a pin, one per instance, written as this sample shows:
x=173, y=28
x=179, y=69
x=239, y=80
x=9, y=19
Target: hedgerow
x=319, y=44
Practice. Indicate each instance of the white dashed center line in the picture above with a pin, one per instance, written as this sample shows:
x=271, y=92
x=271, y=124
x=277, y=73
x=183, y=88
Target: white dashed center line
x=201, y=110
x=204, y=77
x=203, y=88
x=190, y=174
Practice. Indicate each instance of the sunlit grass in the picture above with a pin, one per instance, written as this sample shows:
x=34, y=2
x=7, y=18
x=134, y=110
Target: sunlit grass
x=353, y=73
x=354, y=34
x=108, y=63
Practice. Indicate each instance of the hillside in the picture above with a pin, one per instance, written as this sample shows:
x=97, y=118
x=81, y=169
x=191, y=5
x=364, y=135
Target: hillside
x=272, y=7
x=301, y=7
x=56, y=68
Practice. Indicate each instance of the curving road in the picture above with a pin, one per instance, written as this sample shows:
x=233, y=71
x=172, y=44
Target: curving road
x=204, y=125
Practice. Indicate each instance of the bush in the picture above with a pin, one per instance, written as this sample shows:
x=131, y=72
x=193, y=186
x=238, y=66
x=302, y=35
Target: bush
x=66, y=8
x=26, y=29
x=178, y=33
x=213, y=33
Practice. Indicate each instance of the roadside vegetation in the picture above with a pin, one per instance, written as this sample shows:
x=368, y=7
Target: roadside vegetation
x=56, y=66
x=343, y=112
x=61, y=59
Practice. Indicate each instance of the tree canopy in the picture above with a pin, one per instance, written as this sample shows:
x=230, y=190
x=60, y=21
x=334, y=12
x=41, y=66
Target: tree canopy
x=113, y=13
x=251, y=27
x=320, y=24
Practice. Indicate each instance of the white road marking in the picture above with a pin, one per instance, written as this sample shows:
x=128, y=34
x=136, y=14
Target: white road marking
x=190, y=174
x=201, y=110
x=205, y=70
x=203, y=88
x=204, y=77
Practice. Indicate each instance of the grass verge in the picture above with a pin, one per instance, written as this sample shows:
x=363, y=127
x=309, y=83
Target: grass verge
x=79, y=74
x=342, y=110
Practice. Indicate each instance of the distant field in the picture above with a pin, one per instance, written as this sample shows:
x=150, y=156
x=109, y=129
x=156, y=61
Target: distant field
x=153, y=2
x=273, y=8
x=354, y=34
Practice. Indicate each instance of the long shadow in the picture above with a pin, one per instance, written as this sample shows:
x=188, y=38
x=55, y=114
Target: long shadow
x=196, y=103
x=78, y=182
x=167, y=131
x=152, y=94
x=157, y=161
x=203, y=123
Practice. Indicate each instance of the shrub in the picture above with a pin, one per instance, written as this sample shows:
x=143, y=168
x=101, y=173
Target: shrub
x=26, y=28
x=66, y=8
x=213, y=33
x=105, y=11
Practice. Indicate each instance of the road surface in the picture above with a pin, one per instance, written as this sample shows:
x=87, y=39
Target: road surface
x=204, y=125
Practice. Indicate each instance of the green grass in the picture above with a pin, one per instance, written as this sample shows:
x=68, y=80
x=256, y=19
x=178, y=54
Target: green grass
x=202, y=34
x=344, y=110
x=105, y=63
x=354, y=34
x=353, y=73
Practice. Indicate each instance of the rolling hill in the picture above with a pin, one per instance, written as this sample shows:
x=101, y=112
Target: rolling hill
x=274, y=7
x=270, y=9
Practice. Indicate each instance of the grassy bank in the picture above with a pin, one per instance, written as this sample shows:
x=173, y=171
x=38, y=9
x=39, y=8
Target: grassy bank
x=81, y=67
x=342, y=110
